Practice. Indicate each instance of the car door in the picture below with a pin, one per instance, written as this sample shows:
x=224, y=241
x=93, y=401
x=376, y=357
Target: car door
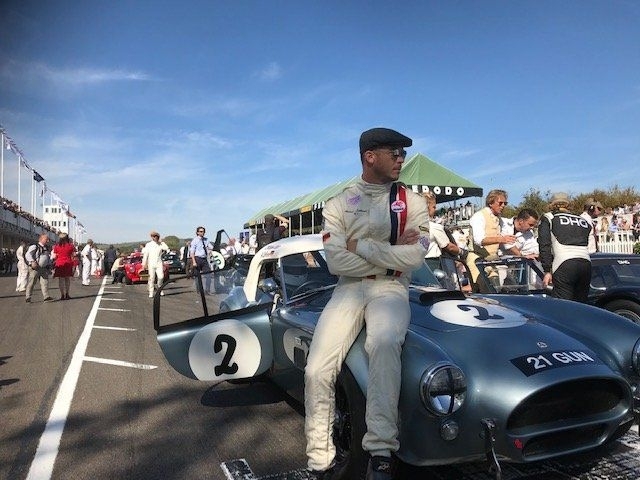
x=211, y=347
x=226, y=346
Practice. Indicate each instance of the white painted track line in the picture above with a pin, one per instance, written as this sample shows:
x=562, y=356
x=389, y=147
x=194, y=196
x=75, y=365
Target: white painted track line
x=45, y=457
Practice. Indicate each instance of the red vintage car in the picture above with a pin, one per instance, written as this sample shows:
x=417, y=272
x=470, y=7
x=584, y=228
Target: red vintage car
x=133, y=271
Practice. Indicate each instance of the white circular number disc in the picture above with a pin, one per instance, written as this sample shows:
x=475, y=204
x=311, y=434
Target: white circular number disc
x=216, y=260
x=238, y=351
x=472, y=313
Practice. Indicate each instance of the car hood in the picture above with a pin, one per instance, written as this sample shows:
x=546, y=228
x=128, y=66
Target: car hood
x=477, y=329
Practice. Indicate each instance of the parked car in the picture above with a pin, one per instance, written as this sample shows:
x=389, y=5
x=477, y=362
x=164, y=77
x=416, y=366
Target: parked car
x=615, y=281
x=133, y=271
x=501, y=378
x=173, y=262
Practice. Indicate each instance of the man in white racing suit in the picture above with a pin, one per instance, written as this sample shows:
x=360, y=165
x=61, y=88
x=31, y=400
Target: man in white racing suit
x=87, y=252
x=375, y=233
x=152, y=261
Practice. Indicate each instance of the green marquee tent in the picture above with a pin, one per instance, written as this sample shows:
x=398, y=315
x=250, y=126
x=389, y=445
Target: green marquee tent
x=418, y=172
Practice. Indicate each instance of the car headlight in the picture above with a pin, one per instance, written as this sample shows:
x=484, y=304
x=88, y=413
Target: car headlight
x=443, y=388
x=635, y=357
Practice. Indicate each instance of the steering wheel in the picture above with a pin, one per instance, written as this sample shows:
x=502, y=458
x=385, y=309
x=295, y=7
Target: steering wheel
x=306, y=286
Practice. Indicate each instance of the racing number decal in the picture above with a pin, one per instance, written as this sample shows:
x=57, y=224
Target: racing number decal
x=483, y=313
x=216, y=260
x=477, y=313
x=224, y=350
x=225, y=366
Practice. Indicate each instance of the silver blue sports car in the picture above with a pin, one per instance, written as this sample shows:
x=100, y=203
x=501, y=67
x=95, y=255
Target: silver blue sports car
x=501, y=378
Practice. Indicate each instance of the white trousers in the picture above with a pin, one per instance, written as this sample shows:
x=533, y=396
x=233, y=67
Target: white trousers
x=155, y=272
x=383, y=305
x=23, y=275
x=86, y=271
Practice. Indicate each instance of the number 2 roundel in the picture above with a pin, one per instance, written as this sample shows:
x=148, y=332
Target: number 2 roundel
x=224, y=350
x=474, y=313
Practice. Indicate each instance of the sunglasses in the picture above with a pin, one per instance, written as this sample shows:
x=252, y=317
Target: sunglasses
x=503, y=203
x=397, y=152
x=200, y=231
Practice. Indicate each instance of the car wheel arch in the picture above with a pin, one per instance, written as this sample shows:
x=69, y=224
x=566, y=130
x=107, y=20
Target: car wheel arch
x=624, y=307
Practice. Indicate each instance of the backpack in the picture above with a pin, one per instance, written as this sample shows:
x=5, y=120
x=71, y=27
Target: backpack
x=36, y=253
x=25, y=249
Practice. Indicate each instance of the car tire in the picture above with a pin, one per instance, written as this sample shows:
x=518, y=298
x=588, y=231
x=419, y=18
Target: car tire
x=127, y=280
x=625, y=308
x=349, y=427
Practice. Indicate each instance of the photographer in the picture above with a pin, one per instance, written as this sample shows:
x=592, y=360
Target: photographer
x=38, y=258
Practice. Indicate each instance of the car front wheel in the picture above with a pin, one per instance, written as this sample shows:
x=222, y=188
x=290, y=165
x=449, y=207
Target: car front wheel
x=349, y=427
x=625, y=308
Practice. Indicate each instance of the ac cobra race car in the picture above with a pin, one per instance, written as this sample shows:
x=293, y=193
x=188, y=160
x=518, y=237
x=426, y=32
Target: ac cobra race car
x=495, y=377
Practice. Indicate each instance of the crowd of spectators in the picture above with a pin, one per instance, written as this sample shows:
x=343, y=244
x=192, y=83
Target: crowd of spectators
x=17, y=211
x=453, y=215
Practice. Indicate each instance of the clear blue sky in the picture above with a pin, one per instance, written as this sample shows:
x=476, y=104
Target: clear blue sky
x=170, y=114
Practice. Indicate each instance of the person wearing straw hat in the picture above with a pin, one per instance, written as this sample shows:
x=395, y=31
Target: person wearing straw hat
x=564, y=254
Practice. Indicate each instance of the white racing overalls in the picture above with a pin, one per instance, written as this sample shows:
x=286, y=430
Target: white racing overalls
x=372, y=290
x=152, y=261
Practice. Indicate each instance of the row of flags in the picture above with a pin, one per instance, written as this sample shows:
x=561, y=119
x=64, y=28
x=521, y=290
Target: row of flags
x=9, y=144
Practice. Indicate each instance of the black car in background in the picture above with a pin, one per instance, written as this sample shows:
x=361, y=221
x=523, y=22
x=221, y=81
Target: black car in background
x=173, y=262
x=615, y=281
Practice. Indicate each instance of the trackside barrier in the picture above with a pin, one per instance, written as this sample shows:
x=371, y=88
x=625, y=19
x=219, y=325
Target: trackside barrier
x=619, y=242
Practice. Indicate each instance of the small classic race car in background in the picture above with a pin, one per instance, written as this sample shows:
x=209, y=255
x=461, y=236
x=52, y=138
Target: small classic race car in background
x=133, y=271
x=496, y=378
x=173, y=262
x=615, y=281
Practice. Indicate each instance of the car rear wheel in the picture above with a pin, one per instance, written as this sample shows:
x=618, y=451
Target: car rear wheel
x=625, y=308
x=127, y=280
x=349, y=427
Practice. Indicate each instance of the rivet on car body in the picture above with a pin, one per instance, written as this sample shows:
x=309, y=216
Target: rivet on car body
x=449, y=430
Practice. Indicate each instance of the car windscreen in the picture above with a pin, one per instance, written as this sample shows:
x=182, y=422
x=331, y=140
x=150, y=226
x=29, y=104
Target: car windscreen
x=424, y=277
x=302, y=272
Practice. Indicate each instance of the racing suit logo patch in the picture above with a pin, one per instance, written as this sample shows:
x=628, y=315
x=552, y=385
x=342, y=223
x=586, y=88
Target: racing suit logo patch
x=353, y=201
x=398, y=206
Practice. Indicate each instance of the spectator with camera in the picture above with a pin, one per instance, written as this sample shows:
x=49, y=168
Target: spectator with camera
x=38, y=258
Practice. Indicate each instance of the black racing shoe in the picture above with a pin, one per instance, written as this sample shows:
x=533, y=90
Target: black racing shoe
x=328, y=474
x=380, y=468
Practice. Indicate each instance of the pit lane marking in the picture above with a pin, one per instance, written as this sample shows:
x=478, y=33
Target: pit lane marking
x=124, y=329
x=115, y=299
x=47, y=451
x=240, y=470
x=120, y=363
x=114, y=309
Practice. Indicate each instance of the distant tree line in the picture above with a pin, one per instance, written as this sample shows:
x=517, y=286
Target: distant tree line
x=610, y=199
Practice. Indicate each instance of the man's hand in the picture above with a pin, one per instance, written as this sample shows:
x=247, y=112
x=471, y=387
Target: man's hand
x=507, y=238
x=409, y=237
